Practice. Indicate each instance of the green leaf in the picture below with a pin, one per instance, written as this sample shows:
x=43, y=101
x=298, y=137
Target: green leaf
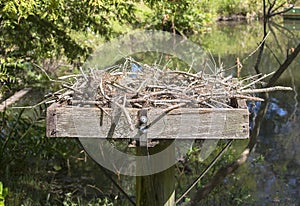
x=1, y=188
x=57, y=167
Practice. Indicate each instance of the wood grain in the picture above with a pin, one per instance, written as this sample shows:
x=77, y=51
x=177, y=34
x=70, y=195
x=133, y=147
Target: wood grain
x=183, y=123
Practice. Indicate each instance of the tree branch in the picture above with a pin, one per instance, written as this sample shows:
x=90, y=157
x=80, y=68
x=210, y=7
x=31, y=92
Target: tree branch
x=279, y=12
x=229, y=169
x=284, y=66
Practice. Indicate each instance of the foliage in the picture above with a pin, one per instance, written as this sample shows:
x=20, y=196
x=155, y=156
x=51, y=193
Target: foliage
x=229, y=7
x=40, y=167
x=68, y=201
x=3, y=194
x=43, y=28
x=183, y=17
x=34, y=31
x=3, y=79
x=39, y=31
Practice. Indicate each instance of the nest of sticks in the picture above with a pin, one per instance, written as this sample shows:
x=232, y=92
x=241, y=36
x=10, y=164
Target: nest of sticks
x=136, y=85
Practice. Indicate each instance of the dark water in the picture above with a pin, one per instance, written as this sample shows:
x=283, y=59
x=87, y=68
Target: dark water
x=271, y=176
x=273, y=169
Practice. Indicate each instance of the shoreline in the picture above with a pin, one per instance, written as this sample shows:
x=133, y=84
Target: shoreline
x=237, y=17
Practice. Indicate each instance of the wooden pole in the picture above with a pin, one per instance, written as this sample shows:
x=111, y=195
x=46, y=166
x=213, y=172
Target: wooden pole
x=156, y=189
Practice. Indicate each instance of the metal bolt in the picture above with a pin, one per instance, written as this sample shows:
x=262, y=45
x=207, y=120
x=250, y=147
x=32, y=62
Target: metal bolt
x=143, y=129
x=143, y=119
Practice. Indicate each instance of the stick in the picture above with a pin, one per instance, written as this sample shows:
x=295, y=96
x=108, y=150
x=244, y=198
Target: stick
x=253, y=52
x=102, y=90
x=250, y=98
x=164, y=87
x=49, y=78
x=122, y=87
x=259, y=79
x=221, y=103
x=185, y=73
x=73, y=89
x=14, y=98
x=164, y=113
x=69, y=76
x=83, y=74
x=126, y=113
x=270, y=89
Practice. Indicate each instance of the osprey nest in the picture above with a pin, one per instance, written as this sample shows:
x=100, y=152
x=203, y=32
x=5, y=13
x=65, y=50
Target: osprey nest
x=136, y=85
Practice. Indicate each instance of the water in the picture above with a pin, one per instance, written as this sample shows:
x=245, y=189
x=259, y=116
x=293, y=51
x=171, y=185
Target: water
x=48, y=170
x=273, y=174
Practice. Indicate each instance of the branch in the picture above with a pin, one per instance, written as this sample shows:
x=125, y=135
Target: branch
x=280, y=12
x=229, y=169
x=269, y=89
x=284, y=66
x=281, y=5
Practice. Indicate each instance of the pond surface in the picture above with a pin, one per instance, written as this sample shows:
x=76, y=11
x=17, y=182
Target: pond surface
x=274, y=166
x=271, y=175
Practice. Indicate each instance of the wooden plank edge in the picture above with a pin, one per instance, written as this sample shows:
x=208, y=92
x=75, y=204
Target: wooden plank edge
x=51, y=120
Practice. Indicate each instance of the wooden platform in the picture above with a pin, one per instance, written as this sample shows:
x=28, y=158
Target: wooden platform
x=183, y=123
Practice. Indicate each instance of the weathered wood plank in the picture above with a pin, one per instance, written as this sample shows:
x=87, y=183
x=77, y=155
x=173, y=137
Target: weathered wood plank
x=14, y=98
x=183, y=123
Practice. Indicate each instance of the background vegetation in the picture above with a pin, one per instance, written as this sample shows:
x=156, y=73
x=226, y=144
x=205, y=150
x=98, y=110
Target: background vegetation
x=58, y=35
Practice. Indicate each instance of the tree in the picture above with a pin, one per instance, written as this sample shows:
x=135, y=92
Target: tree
x=34, y=30
x=270, y=11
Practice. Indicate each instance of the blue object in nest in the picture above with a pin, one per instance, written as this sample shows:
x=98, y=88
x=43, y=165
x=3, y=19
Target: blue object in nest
x=135, y=69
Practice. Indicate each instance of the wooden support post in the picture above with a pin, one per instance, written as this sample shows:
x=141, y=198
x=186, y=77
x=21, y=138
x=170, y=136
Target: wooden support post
x=156, y=189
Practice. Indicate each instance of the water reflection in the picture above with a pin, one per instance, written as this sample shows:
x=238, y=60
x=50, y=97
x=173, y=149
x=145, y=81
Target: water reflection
x=277, y=176
x=274, y=165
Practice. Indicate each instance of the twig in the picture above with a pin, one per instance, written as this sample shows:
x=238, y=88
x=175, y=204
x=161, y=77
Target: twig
x=127, y=115
x=69, y=76
x=14, y=98
x=85, y=102
x=164, y=101
x=185, y=73
x=220, y=103
x=73, y=89
x=250, y=98
x=258, y=80
x=49, y=78
x=270, y=89
x=164, y=87
x=83, y=74
x=122, y=87
x=280, y=12
x=164, y=113
x=96, y=188
x=253, y=52
x=102, y=90
x=250, y=78
x=31, y=107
